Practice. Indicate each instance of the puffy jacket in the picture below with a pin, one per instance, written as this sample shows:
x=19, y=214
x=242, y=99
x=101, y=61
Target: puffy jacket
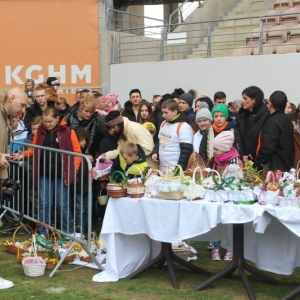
x=249, y=126
x=136, y=133
x=277, y=143
x=128, y=112
x=90, y=125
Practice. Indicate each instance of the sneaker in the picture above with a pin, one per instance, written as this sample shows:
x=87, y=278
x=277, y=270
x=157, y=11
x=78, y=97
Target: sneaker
x=228, y=255
x=5, y=284
x=215, y=254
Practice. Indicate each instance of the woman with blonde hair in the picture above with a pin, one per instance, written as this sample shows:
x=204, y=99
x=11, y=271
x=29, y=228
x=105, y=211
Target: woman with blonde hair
x=86, y=118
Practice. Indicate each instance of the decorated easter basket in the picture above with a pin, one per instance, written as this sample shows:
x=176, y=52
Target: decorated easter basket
x=102, y=168
x=195, y=161
x=115, y=189
x=171, y=187
x=270, y=193
x=20, y=248
x=151, y=184
x=191, y=189
x=135, y=186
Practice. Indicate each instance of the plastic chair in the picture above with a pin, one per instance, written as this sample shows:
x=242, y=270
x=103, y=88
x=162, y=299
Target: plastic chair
x=270, y=20
x=290, y=17
x=266, y=49
x=252, y=40
x=285, y=4
x=294, y=36
x=242, y=51
x=286, y=48
x=277, y=35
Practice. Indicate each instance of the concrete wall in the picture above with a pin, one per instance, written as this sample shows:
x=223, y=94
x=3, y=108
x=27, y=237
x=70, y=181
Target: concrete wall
x=228, y=74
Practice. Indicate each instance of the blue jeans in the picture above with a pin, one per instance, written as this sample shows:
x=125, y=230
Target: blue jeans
x=49, y=189
x=82, y=210
x=216, y=245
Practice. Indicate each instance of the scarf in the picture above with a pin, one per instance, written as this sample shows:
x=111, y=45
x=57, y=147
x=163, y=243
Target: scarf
x=220, y=159
x=219, y=129
x=209, y=147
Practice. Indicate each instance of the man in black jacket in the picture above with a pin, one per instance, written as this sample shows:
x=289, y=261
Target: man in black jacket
x=131, y=106
x=277, y=144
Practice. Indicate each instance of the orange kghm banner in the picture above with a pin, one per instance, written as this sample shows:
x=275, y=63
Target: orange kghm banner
x=42, y=38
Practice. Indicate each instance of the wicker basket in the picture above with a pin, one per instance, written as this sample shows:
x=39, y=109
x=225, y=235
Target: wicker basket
x=102, y=199
x=34, y=266
x=12, y=248
x=170, y=187
x=135, y=189
x=86, y=259
x=183, y=253
x=116, y=190
x=195, y=161
x=70, y=258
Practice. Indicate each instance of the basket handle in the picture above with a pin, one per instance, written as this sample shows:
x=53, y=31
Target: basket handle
x=194, y=173
x=118, y=172
x=135, y=168
x=17, y=229
x=169, y=176
x=270, y=176
x=151, y=171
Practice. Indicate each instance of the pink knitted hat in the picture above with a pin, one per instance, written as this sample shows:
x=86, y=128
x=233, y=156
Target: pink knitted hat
x=113, y=98
x=223, y=141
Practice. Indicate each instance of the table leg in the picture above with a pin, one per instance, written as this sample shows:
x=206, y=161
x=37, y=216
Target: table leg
x=239, y=263
x=167, y=254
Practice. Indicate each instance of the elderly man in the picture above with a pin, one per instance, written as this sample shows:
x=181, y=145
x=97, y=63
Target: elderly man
x=15, y=102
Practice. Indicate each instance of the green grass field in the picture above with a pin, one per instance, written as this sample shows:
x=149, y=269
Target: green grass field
x=69, y=283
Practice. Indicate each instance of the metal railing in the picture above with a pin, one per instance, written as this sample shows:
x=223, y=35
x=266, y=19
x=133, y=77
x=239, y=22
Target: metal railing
x=55, y=193
x=194, y=39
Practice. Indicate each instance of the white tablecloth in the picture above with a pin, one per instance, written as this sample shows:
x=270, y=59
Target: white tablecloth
x=132, y=228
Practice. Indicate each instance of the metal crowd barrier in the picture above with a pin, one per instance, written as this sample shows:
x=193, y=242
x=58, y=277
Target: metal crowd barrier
x=66, y=212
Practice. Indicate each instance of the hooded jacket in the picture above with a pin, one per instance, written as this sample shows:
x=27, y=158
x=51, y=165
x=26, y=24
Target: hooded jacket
x=136, y=133
x=120, y=164
x=249, y=126
x=128, y=112
x=237, y=140
x=175, y=144
x=277, y=143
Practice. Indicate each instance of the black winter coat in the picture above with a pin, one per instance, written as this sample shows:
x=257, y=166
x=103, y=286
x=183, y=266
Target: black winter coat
x=249, y=126
x=108, y=143
x=33, y=111
x=277, y=143
x=90, y=125
x=128, y=112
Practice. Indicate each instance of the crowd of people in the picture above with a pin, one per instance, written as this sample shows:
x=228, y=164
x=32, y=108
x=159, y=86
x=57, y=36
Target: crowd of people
x=157, y=133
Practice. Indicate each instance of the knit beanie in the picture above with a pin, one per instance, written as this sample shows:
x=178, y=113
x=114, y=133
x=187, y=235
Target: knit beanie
x=222, y=108
x=149, y=126
x=204, y=113
x=223, y=141
x=188, y=98
x=203, y=105
x=113, y=98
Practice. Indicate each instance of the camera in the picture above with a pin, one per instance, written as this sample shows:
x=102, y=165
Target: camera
x=11, y=186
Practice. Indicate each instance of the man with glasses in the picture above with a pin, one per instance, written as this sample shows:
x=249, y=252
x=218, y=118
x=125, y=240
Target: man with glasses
x=62, y=106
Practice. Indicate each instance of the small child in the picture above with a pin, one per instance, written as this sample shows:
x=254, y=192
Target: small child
x=83, y=137
x=224, y=155
x=130, y=155
x=18, y=134
x=111, y=100
x=35, y=124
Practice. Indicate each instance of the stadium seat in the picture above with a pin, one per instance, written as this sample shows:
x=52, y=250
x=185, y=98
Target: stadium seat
x=285, y=4
x=276, y=36
x=242, y=51
x=294, y=36
x=252, y=40
x=296, y=3
x=266, y=49
x=290, y=17
x=286, y=48
x=270, y=20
